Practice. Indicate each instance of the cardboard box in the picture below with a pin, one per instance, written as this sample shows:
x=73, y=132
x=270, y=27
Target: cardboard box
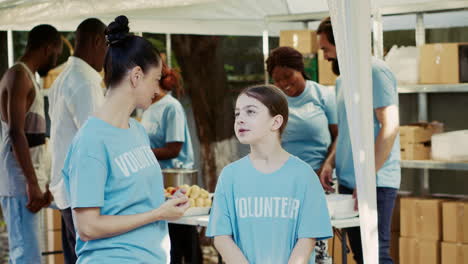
x=54, y=241
x=463, y=61
x=415, y=152
x=305, y=41
x=455, y=221
x=417, y=251
x=419, y=132
x=56, y=259
x=53, y=219
x=454, y=253
x=325, y=72
x=54, y=245
x=335, y=251
x=396, y=216
x=440, y=63
x=394, y=247
x=421, y=218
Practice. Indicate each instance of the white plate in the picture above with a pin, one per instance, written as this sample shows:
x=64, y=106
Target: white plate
x=197, y=211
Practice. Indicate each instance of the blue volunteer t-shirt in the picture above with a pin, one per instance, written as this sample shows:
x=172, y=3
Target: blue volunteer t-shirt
x=307, y=135
x=165, y=122
x=384, y=87
x=115, y=169
x=267, y=213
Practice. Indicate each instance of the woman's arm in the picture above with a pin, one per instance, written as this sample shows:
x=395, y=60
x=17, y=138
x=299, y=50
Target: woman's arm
x=229, y=250
x=302, y=251
x=169, y=151
x=92, y=225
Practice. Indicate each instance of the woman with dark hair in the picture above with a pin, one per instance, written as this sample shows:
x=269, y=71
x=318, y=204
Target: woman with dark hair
x=113, y=180
x=312, y=128
x=166, y=124
x=267, y=208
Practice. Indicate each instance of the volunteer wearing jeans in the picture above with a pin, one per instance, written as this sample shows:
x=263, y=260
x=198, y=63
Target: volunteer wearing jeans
x=74, y=95
x=387, y=147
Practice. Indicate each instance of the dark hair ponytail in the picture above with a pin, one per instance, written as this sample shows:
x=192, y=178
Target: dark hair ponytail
x=126, y=51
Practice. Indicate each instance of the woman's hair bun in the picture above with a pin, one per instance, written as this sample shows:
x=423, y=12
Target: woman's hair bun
x=117, y=30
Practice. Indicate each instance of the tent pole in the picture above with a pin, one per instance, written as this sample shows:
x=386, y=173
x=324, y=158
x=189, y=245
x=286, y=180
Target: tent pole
x=422, y=98
x=10, y=48
x=265, y=54
x=377, y=34
x=168, y=50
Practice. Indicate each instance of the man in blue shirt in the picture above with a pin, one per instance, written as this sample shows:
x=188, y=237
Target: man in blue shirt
x=387, y=147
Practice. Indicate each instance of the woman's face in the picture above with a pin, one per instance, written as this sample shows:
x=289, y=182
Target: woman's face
x=289, y=80
x=253, y=121
x=148, y=87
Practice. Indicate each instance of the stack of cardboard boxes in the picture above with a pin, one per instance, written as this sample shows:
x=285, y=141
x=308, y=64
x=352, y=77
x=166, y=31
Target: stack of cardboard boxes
x=53, y=225
x=415, y=140
x=443, y=63
x=433, y=231
x=305, y=41
x=455, y=232
x=421, y=230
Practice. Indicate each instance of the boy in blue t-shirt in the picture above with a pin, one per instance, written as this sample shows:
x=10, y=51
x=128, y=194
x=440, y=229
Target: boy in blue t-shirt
x=269, y=206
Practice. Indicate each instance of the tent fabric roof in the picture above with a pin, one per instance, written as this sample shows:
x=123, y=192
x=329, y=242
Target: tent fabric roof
x=207, y=17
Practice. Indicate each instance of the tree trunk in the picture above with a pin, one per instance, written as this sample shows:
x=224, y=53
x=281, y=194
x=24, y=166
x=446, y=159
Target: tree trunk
x=3, y=53
x=205, y=81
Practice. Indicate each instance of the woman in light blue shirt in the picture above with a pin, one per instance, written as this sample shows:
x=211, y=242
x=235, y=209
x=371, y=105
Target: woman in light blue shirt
x=312, y=127
x=269, y=206
x=112, y=178
x=166, y=124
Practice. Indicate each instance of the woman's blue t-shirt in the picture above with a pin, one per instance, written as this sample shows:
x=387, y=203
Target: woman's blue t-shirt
x=114, y=169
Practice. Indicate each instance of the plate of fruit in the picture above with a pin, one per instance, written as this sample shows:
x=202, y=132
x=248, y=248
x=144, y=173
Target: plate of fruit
x=199, y=198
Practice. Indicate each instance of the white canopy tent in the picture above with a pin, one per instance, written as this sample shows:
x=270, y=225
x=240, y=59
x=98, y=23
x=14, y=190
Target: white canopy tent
x=207, y=17
x=249, y=18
